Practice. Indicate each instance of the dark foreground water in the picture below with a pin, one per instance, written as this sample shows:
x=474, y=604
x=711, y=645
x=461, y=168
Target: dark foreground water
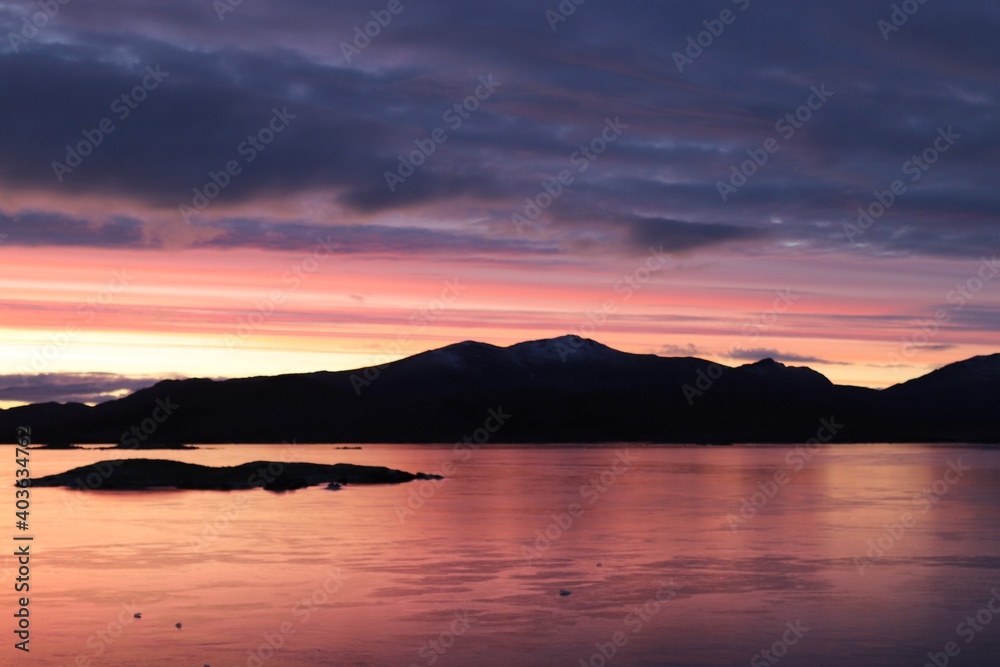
x=852, y=555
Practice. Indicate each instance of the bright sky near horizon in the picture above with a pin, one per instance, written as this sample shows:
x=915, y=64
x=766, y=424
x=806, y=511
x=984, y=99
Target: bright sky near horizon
x=270, y=190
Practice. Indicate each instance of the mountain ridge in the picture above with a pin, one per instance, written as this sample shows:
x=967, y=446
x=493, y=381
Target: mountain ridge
x=559, y=390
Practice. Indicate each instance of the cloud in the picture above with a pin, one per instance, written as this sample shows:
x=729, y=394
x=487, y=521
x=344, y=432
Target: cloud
x=657, y=183
x=681, y=236
x=932, y=347
x=36, y=228
x=41, y=228
x=88, y=388
x=688, y=350
x=756, y=354
x=980, y=318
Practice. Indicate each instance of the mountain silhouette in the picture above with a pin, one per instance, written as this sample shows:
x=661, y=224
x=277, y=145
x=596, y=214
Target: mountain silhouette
x=560, y=390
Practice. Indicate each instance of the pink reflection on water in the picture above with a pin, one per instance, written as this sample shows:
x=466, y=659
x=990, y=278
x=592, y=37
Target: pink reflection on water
x=316, y=577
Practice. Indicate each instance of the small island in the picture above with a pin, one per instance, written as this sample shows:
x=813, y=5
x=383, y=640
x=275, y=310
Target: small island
x=137, y=447
x=144, y=446
x=149, y=474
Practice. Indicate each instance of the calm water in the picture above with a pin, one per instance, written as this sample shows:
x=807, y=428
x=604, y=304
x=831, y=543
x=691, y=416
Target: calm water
x=372, y=576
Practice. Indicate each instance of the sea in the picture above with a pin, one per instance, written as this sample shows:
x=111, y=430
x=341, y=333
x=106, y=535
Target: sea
x=628, y=555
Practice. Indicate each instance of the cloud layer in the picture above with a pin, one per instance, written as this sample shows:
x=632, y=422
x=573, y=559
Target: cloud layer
x=348, y=119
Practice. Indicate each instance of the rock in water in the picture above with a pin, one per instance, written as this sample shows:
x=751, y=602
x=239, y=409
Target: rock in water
x=282, y=484
x=143, y=474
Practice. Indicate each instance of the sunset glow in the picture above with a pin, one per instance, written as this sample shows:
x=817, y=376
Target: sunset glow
x=226, y=228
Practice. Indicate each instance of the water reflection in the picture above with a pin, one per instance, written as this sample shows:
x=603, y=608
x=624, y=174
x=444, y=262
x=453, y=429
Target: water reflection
x=438, y=575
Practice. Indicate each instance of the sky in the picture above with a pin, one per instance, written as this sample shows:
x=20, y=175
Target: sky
x=227, y=189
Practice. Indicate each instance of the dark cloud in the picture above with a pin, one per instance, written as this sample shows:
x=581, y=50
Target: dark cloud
x=35, y=228
x=986, y=318
x=757, y=354
x=55, y=229
x=89, y=388
x=932, y=347
x=656, y=183
x=680, y=236
x=371, y=239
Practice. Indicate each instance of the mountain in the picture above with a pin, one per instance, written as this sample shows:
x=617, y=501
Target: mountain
x=958, y=401
x=560, y=390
